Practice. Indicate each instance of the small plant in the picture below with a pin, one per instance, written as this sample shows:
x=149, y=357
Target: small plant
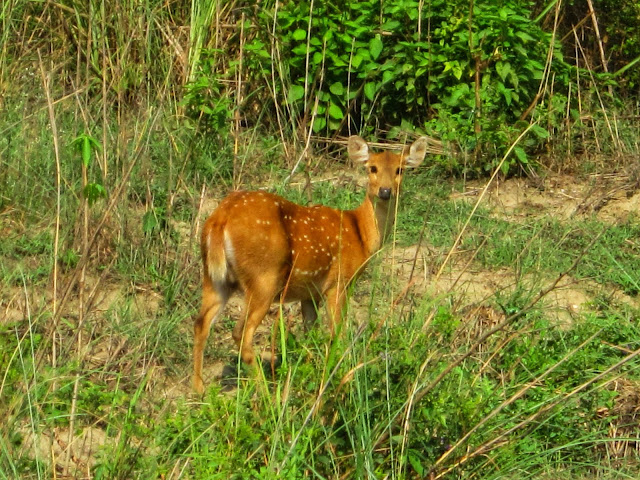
x=85, y=145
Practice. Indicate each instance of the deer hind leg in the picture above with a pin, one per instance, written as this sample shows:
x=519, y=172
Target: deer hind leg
x=258, y=297
x=214, y=298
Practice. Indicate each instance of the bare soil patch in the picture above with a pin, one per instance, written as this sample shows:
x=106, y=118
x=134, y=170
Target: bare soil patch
x=611, y=198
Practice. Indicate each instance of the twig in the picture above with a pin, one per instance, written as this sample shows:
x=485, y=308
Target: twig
x=56, y=148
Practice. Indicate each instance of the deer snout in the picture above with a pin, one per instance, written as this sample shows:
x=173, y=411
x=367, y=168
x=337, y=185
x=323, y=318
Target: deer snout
x=384, y=193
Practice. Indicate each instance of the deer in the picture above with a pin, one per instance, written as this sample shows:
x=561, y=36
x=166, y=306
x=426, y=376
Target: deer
x=269, y=248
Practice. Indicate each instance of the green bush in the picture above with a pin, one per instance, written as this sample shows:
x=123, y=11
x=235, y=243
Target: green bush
x=404, y=64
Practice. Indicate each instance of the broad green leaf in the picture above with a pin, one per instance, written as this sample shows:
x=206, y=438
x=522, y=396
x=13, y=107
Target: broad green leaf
x=335, y=112
x=296, y=92
x=503, y=69
x=455, y=68
x=375, y=47
x=540, y=132
x=299, y=34
x=356, y=61
x=337, y=88
x=149, y=221
x=391, y=25
x=524, y=36
x=319, y=123
x=506, y=93
x=521, y=154
x=370, y=90
x=414, y=460
x=300, y=50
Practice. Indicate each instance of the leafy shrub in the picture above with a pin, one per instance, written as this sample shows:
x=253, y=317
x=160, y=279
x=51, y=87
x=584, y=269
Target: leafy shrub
x=402, y=64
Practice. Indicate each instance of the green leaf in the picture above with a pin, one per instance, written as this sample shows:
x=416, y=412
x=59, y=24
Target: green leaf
x=300, y=50
x=460, y=91
x=506, y=93
x=540, y=132
x=503, y=69
x=337, y=89
x=370, y=90
x=375, y=47
x=335, y=111
x=455, y=68
x=521, y=154
x=149, y=222
x=93, y=192
x=356, y=61
x=85, y=143
x=524, y=36
x=299, y=34
x=86, y=150
x=414, y=460
x=296, y=92
x=319, y=123
x=391, y=25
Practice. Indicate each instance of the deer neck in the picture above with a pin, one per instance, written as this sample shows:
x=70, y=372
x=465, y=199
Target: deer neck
x=375, y=219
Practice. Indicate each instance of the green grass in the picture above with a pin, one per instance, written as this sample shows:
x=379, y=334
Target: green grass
x=393, y=397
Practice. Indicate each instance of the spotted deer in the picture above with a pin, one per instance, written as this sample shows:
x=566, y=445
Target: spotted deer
x=270, y=248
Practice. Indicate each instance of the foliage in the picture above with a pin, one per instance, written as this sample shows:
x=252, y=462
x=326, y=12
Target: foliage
x=467, y=75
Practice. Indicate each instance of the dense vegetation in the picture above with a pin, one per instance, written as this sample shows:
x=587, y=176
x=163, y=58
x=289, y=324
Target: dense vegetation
x=120, y=121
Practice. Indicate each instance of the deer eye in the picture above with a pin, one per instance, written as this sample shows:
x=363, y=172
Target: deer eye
x=398, y=171
x=373, y=169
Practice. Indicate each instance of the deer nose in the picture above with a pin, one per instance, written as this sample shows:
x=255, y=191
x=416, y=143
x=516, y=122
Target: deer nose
x=384, y=193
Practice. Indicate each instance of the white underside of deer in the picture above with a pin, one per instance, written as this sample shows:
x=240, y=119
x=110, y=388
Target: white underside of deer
x=271, y=249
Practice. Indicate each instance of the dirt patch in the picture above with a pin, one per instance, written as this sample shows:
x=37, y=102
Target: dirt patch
x=74, y=456
x=611, y=198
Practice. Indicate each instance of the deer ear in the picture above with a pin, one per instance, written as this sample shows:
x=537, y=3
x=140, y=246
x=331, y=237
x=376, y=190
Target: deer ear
x=358, y=149
x=417, y=151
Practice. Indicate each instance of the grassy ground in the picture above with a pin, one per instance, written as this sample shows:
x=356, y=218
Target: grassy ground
x=493, y=342
x=495, y=337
